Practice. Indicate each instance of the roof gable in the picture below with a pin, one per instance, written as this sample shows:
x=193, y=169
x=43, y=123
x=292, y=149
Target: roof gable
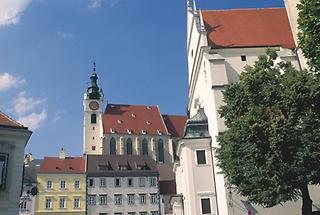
x=264, y=27
x=175, y=124
x=133, y=119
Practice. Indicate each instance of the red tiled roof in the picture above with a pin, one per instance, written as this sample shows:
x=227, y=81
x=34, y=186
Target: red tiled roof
x=175, y=124
x=7, y=121
x=248, y=28
x=67, y=165
x=135, y=118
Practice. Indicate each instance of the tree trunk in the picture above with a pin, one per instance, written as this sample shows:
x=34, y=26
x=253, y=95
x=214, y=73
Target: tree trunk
x=306, y=201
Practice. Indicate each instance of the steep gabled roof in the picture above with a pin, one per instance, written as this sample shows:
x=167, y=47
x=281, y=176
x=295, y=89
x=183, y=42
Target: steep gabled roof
x=69, y=165
x=133, y=119
x=7, y=121
x=265, y=27
x=175, y=124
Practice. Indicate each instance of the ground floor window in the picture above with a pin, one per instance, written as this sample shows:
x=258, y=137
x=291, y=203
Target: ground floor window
x=205, y=206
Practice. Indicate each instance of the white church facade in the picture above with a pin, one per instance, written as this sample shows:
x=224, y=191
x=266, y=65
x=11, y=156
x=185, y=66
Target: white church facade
x=220, y=43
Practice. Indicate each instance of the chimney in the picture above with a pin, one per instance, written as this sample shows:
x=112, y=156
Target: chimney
x=62, y=154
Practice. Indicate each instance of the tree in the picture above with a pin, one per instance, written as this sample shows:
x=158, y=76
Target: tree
x=309, y=32
x=270, y=152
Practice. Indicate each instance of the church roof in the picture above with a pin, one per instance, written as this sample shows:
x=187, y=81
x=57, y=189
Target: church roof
x=248, y=28
x=7, y=121
x=175, y=124
x=133, y=119
x=71, y=165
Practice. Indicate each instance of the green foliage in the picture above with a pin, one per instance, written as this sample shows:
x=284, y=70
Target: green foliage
x=271, y=147
x=309, y=34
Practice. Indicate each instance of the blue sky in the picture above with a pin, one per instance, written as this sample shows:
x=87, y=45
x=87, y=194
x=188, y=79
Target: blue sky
x=47, y=49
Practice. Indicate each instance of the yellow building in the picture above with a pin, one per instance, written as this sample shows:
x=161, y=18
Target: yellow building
x=62, y=186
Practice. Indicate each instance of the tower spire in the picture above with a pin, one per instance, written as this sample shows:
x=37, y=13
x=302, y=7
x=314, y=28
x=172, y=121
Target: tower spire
x=189, y=5
x=93, y=90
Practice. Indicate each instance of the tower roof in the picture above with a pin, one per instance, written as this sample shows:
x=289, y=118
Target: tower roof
x=265, y=27
x=197, y=126
x=93, y=90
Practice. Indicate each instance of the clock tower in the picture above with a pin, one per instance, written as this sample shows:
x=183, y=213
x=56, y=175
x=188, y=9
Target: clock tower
x=93, y=112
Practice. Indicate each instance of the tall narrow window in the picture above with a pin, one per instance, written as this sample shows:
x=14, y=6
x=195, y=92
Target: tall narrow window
x=129, y=146
x=205, y=206
x=93, y=118
x=113, y=146
x=160, y=151
x=201, y=157
x=144, y=147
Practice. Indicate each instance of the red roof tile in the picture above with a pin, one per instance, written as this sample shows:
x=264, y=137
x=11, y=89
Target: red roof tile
x=7, y=121
x=133, y=118
x=175, y=124
x=248, y=28
x=68, y=165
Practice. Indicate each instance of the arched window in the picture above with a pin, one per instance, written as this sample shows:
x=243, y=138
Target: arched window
x=93, y=118
x=129, y=146
x=113, y=146
x=160, y=151
x=144, y=147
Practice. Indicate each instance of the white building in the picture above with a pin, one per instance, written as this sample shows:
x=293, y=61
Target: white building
x=13, y=139
x=122, y=185
x=194, y=170
x=219, y=45
x=29, y=186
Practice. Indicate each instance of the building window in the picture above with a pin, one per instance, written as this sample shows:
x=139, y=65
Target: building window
x=117, y=182
x=130, y=199
x=3, y=169
x=130, y=182
x=76, y=202
x=23, y=205
x=154, y=213
x=153, y=181
x=205, y=206
x=201, y=157
x=153, y=198
x=142, y=182
x=92, y=199
x=144, y=147
x=49, y=185
x=103, y=199
x=103, y=182
x=62, y=202
x=160, y=151
x=142, y=198
x=103, y=214
x=243, y=58
x=131, y=213
x=93, y=118
x=91, y=182
x=48, y=203
x=76, y=184
x=113, y=146
x=117, y=199
x=93, y=148
x=118, y=213
x=129, y=146
x=63, y=185
x=143, y=213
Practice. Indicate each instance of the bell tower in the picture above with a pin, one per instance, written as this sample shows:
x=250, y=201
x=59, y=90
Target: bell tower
x=93, y=112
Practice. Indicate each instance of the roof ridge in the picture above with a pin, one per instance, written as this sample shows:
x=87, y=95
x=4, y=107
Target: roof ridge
x=134, y=105
x=10, y=119
x=174, y=115
x=237, y=9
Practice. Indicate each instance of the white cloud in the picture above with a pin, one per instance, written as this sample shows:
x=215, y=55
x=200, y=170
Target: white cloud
x=58, y=116
x=65, y=35
x=22, y=104
x=8, y=81
x=34, y=120
x=11, y=11
x=94, y=4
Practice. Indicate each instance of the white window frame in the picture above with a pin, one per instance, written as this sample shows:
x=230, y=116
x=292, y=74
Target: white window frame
x=64, y=202
x=205, y=157
x=92, y=199
x=153, y=198
x=210, y=201
x=131, y=182
x=131, y=199
x=115, y=182
x=103, y=197
x=93, y=182
x=76, y=203
x=118, y=199
x=49, y=182
x=142, y=181
x=144, y=198
x=63, y=182
x=48, y=203
x=153, y=181
x=77, y=184
x=103, y=182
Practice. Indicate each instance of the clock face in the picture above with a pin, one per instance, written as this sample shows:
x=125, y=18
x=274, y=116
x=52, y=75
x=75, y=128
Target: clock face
x=94, y=105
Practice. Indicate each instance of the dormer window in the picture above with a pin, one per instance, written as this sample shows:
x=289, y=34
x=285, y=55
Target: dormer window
x=148, y=123
x=119, y=121
x=133, y=115
x=112, y=130
x=129, y=131
x=148, y=107
x=159, y=132
x=143, y=131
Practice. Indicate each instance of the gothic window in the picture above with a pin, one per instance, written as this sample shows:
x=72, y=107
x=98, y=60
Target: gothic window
x=160, y=151
x=113, y=147
x=129, y=146
x=144, y=147
x=93, y=118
